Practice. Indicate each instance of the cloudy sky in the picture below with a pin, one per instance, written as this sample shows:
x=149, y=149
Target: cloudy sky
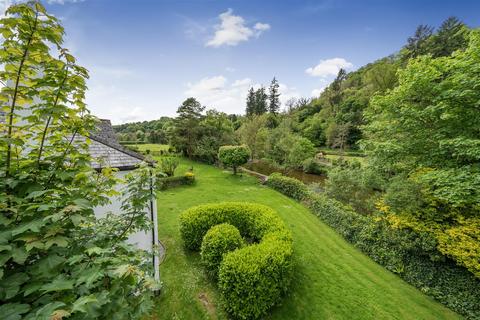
x=146, y=56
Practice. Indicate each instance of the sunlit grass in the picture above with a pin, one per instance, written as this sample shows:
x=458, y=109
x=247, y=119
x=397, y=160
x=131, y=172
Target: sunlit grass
x=149, y=146
x=333, y=280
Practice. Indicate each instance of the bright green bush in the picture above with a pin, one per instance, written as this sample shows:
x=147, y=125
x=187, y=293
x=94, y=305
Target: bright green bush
x=234, y=156
x=412, y=255
x=168, y=165
x=288, y=186
x=251, y=279
x=218, y=241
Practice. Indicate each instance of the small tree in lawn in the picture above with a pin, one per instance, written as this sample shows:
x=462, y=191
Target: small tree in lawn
x=234, y=156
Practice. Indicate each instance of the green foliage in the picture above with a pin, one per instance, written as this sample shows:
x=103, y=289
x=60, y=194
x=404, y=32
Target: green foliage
x=154, y=131
x=411, y=254
x=288, y=186
x=199, y=136
x=218, y=241
x=216, y=130
x=300, y=149
x=251, y=279
x=234, y=156
x=254, y=133
x=314, y=166
x=169, y=182
x=424, y=134
x=354, y=186
x=452, y=35
x=168, y=164
x=185, y=132
x=274, y=97
x=284, y=147
x=57, y=259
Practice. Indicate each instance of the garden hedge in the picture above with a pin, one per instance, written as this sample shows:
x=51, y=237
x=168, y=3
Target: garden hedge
x=288, y=186
x=218, y=241
x=254, y=278
x=169, y=182
x=411, y=255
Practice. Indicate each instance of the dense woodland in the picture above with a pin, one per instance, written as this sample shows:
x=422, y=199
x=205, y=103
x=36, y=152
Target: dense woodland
x=414, y=115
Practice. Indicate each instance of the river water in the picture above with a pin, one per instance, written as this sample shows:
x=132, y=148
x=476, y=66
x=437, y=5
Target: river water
x=267, y=169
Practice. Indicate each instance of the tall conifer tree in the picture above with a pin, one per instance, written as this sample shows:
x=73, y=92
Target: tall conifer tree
x=274, y=97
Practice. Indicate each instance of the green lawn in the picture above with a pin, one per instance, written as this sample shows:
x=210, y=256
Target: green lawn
x=150, y=146
x=346, y=157
x=333, y=279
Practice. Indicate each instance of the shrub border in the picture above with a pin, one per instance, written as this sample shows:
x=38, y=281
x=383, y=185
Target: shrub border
x=410, y=255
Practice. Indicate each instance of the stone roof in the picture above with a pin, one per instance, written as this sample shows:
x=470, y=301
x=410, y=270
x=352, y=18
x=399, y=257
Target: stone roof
x=104, y=155
x=106, y=151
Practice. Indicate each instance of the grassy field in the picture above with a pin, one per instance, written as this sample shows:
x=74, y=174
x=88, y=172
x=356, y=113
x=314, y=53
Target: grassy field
x=150, y=146
x=333, y=279
x=332, y=157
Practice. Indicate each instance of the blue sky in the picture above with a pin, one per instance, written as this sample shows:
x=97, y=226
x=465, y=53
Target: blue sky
x=145, y=57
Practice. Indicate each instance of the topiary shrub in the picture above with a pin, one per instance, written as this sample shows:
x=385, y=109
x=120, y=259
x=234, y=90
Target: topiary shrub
x=288, y=186
x=251, y=279
x=218, y=241
x=234, y=156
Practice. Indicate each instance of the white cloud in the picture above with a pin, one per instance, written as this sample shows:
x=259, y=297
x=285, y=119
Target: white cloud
x=233, y=30
x=329, y=67
x=316, y=92
x=242, y=83
x=287, y=93
x=217, y=92
x=109, y=101
x=107, y=97
x=260, y=28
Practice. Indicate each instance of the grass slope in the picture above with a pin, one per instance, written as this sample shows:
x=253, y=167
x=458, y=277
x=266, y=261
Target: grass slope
x=333, y=279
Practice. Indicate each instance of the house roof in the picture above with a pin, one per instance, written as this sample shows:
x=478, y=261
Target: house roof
x=108, y=152
x=105, y=149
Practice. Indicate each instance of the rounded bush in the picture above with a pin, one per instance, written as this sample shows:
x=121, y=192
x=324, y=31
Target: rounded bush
x=234, y=156
x=251, y=279
x=218, y=241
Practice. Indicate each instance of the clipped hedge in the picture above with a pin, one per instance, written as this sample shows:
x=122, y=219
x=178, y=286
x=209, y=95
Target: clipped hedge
x=288, y=186
x=218, y=241
x=411, y=255
x=170, y=182
x=251, y=279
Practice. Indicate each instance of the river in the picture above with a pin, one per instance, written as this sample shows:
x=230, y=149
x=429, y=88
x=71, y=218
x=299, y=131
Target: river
x=267, y=169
